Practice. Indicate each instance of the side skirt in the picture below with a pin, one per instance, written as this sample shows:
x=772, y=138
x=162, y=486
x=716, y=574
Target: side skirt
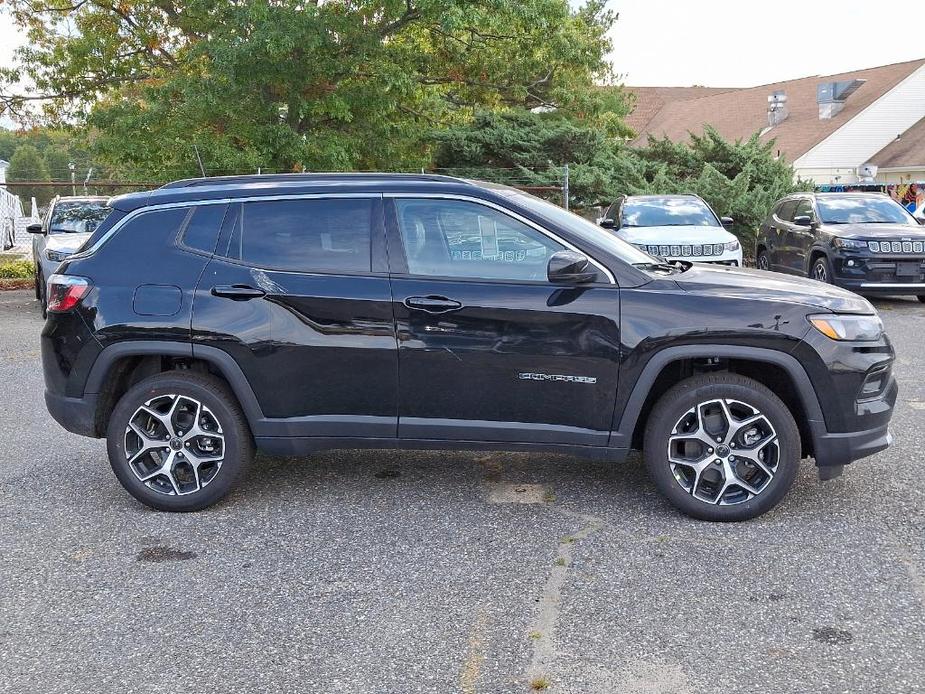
x=305, y=445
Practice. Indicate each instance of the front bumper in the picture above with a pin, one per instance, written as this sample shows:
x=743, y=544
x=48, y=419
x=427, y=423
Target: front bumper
x=866, y=273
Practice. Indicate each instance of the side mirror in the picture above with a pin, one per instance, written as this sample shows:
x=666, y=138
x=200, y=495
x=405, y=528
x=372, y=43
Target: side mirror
x=570, y=267
x=920, y=220
x=605, y=223
x=727, y=222
x=35, y=228
x=803, y=220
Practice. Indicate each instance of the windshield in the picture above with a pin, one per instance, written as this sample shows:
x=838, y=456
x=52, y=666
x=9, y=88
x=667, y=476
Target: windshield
x=861, y=210
x=582, y=228
x=666, y=212
x=77, y=217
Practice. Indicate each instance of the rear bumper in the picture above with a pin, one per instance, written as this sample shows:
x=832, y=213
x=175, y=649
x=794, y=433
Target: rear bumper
x=77, y=415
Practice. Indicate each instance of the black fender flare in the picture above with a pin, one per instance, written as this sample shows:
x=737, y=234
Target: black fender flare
x=221, y=360
x=622, y=435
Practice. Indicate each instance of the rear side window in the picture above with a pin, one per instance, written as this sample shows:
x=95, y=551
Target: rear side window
x=201, y=226
x=319, y=235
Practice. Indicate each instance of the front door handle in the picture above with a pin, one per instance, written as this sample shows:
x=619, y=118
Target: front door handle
x=237, y=292
x=432, y=304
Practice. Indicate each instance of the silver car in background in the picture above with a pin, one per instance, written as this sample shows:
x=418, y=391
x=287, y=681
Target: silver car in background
x=67, y=224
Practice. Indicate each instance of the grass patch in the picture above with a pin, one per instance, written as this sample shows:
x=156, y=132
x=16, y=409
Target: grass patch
x=539, y=683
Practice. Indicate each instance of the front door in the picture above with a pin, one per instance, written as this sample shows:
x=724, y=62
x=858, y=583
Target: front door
x=801, y=237
x=298, y=294
x=489, y=350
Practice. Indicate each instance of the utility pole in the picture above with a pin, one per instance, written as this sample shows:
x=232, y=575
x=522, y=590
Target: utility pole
x=565, y=188
x=73, y=167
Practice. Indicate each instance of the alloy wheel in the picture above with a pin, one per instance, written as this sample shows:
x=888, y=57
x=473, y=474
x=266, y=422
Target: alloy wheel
x=763, y=262
x=174, y=444
x=820, y=273
x=724, y=451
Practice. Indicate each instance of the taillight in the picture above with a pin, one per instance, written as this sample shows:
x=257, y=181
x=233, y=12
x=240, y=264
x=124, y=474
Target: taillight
x=66, y=291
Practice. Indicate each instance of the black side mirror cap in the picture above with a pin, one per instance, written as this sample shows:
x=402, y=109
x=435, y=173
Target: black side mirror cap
x=803, y=220
x=570, y=267
x=605, y=223
x=35, y=228
x=727, y=222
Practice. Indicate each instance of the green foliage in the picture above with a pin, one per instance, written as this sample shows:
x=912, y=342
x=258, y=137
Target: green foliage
x=28, y=164
x=17, y=270
x=739, y=179
x=285, y=84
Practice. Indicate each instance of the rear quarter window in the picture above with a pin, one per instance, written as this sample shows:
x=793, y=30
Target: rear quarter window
x=199, y=229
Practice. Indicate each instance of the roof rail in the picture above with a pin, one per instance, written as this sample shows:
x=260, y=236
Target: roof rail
x=286, y=177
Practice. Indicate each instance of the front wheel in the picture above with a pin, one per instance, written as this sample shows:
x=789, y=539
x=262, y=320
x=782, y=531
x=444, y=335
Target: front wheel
x=822, y=270
x=178, y=441
x=764, y=260
x=722, y=447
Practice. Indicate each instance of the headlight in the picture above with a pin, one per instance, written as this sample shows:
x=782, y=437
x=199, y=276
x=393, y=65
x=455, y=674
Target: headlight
x=852, y=244
x=731, y=246
x=56, y=256
x=844, y=327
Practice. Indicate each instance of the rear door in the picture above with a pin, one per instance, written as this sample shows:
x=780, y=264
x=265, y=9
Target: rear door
x=489, y=350
x=298, y=294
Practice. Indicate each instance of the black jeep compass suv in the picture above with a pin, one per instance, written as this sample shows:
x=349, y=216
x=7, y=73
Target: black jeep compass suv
x=866, y=242
x=296, y=313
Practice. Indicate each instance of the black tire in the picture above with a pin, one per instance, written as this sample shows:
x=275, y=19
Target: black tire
x=921, y=297
x=821, y=270
x=763, y=261
x=38, y=280
x=684, y=397
x=219, y=404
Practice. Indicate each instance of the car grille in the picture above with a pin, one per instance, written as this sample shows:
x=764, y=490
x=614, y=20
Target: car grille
x=896, y=246
x=685, y=251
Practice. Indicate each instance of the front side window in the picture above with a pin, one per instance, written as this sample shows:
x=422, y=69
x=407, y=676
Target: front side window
x=454, y=238
x=786, y=210
x=866, y=209
x=804, y=208
x=317, y=235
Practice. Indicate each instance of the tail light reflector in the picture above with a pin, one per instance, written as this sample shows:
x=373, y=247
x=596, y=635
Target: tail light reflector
x=66, y=291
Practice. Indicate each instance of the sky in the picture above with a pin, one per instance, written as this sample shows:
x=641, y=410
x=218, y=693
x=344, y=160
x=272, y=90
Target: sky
x=743, y=43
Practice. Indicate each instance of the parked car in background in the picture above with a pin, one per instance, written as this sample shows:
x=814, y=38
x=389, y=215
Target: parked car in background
x=68, y=223
x=675, y=227
x=866, y=242
x=296, y=313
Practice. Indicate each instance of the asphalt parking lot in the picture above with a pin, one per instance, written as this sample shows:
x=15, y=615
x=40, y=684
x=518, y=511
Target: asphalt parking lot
x=367, y=571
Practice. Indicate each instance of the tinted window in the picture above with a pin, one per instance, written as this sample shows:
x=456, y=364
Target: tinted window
x=873, y=209
x=785, y=210
x=201, y=227
x=657, y=212
x=304, y=235
x=804, y=208
x=76, y=217
x=451, y=238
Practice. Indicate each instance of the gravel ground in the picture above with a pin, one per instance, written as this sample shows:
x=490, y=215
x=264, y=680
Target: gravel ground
x=367, y=571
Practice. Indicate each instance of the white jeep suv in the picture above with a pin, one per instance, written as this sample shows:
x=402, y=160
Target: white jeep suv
x=675, y=227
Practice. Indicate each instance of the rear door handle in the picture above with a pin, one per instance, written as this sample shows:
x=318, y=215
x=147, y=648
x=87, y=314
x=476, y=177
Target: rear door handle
x=237, y=292
x=432, y=304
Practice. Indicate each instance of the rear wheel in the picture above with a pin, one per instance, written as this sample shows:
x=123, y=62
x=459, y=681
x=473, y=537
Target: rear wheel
x=821, y=270
x=178, y=441
x=722, y=447
x=764, y=260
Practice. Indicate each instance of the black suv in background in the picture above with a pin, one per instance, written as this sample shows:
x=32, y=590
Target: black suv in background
x=305, y=312
x=866, y=242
